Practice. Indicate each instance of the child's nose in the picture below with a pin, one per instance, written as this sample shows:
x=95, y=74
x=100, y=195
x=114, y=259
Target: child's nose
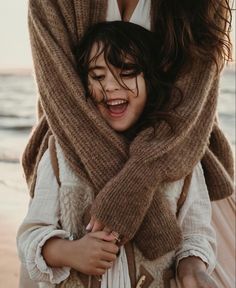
x=111, y=84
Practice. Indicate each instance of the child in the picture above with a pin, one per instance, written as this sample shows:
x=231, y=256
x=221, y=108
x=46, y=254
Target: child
x=118, y=65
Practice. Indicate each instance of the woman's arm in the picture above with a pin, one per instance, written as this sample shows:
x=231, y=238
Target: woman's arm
x=55, y=26
x=169, y=157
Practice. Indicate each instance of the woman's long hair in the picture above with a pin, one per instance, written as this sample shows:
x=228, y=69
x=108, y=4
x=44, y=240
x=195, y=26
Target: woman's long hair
x=119, y=41
x=190, y=29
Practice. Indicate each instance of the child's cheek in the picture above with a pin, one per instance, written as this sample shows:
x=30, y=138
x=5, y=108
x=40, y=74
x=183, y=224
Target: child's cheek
x=96, y=94
x=131, y=84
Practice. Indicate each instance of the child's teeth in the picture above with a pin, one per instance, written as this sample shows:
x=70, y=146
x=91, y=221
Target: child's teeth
x=116, y=102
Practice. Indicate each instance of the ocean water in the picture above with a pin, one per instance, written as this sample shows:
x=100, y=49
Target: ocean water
x=18, y=108
x=17, y=114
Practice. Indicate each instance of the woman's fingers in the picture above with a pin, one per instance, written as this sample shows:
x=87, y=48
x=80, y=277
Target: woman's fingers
x=106, y=229
x=91, y=224
x=97, y=226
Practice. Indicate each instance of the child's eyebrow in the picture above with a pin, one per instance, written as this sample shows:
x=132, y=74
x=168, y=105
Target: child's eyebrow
x=96, y=67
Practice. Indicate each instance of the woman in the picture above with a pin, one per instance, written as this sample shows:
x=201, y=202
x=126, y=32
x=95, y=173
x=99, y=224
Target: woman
x=190, y=54
x=120, y=72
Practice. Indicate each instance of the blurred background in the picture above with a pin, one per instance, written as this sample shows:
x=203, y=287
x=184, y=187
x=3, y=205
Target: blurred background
x=17, y=116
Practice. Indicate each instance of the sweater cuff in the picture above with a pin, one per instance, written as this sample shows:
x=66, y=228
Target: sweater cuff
x=198, y=247
x=191, y=253
x=40, y=270
x=122, y=204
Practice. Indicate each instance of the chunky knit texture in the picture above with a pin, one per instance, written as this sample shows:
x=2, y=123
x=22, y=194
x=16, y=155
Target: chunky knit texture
x=124, y=177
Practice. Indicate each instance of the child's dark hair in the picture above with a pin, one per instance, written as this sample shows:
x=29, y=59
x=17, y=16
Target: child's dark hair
x=119, y=40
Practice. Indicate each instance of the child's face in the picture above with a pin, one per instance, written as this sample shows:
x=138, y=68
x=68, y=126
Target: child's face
x=121, y=107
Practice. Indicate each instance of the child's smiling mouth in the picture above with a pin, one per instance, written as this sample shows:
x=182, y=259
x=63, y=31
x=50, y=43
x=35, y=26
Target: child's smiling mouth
x=117, y=107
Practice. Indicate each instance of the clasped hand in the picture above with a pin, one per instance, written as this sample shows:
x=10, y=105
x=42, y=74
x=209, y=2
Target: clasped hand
x=92, y=254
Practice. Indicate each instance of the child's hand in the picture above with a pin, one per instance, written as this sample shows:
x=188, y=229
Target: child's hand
x=94, y=253
x=192, y=273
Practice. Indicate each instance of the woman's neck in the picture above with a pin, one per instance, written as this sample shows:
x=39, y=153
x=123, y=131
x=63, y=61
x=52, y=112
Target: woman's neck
x=127, y=8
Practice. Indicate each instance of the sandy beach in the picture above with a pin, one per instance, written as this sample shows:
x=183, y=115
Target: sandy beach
x=12, y=211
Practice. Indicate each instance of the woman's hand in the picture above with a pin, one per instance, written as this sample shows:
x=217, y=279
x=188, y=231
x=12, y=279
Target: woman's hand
x=95, y=225
x=192, y=273
x=92, y=255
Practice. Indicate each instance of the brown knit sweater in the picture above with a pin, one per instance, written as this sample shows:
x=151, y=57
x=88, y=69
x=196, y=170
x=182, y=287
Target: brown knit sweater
x=124, y=177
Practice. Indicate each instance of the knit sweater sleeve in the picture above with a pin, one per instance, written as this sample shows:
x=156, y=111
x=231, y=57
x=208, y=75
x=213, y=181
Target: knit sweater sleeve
x=167, y=158
x=55, y=27
x=125, y=178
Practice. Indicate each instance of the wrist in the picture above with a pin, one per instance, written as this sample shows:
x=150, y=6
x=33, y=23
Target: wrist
x=56, y=252
x=190, y=265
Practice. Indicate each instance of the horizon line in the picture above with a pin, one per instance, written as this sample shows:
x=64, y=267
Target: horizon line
x=16, y=71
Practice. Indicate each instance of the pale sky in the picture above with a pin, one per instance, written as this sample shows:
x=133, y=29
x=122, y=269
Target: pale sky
x=14, y=43
x=14, y=46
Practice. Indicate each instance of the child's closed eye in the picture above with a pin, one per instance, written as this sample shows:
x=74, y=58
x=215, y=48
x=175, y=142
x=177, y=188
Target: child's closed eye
x=128, y=73
x=129, y=70
x=97, y=77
